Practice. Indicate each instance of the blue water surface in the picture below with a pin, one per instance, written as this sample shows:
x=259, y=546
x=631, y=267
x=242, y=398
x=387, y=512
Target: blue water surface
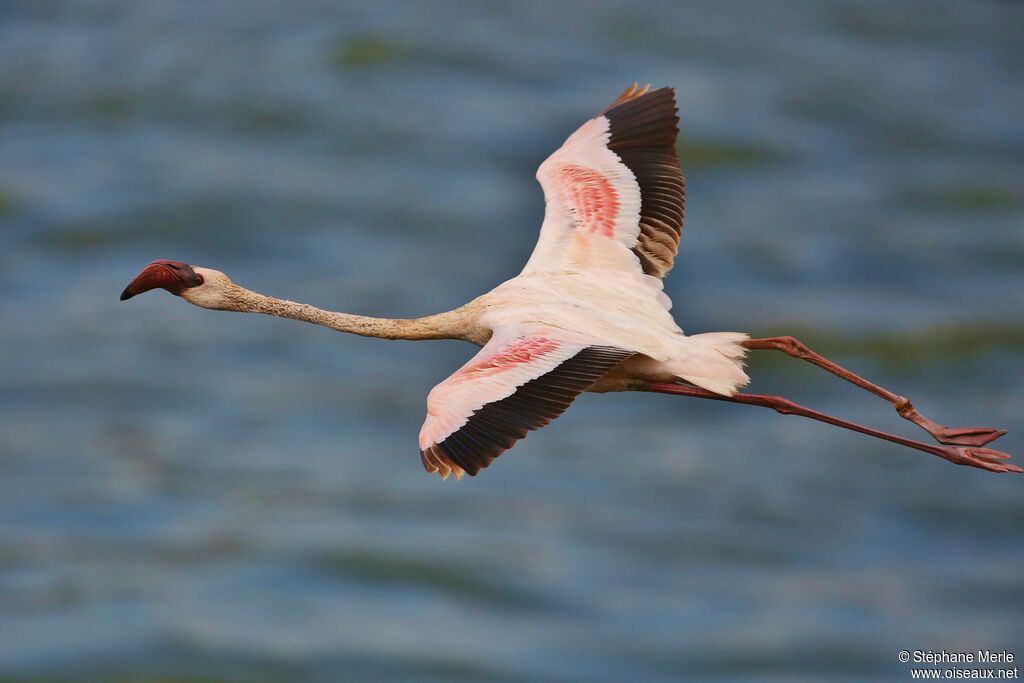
x=189, y=496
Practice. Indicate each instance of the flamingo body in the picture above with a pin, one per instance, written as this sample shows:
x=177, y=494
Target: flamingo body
x=590, y=299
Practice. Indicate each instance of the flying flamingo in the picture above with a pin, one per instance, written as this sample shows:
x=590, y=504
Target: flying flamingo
x=586, y=314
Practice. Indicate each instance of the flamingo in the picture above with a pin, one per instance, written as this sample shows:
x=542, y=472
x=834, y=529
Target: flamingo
x=587, y=313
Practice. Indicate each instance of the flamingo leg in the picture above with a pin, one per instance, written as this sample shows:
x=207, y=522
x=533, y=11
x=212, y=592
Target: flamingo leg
x=971, y=456
x=955, y=436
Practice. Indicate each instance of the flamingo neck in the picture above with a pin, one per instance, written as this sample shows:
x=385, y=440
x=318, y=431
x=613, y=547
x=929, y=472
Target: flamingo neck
x=456, y=324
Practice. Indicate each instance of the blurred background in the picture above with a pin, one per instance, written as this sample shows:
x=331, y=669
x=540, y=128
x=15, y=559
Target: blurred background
x=189, y=496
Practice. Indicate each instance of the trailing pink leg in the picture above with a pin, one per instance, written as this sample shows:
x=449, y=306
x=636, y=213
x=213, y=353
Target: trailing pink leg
x=972, y=456
x=957, y=436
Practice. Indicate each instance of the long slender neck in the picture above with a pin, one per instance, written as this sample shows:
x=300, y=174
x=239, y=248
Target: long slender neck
x=457, y=324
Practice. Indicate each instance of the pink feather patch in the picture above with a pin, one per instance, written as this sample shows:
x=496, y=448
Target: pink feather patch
x=518, y=352
x=593, y=197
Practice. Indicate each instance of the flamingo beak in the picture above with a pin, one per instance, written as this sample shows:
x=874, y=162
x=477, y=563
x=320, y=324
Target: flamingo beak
x=174, y=276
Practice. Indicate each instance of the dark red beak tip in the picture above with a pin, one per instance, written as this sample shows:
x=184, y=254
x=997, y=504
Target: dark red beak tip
x=174, y=276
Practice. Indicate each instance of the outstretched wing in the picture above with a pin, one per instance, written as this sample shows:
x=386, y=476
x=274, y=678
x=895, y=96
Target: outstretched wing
x=515, y=384
x=614, y=191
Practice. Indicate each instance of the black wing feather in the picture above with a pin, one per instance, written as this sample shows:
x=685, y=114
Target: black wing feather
x=643, y=130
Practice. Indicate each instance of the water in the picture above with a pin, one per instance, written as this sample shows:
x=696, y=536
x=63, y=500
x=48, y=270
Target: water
x=194, y=496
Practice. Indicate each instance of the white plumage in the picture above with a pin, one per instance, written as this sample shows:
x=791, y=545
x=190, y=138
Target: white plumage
x=585, y=285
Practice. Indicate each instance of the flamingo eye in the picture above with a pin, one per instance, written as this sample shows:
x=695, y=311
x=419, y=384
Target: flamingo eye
x=199, y=279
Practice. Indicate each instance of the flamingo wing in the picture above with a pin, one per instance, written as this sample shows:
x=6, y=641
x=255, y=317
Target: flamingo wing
x=614, y=191
x=517, y=382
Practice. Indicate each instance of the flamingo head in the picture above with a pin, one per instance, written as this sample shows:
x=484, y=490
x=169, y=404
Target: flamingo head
x=200, y=286
x=174, y=276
